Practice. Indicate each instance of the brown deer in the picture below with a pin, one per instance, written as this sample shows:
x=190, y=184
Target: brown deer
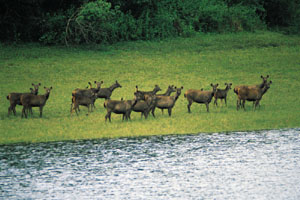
x=222, y=94
x=145, y=93
x=82, y=101
x=199, y=96
x=238, y=87
x=30, y=100
x=167, y=102
x=144, y=106
x=107, y=92
x=123, y=107
x=252, y=94
x=87, y=92
x=15, y=98
x=169, y=91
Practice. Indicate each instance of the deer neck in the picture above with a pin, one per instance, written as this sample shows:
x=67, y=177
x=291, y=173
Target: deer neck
x=113, y=87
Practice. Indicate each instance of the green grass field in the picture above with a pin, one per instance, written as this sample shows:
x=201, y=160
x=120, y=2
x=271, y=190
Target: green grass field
x=189, y=62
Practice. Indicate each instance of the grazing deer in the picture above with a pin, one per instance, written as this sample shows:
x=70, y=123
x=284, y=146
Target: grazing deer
x=15, y=98
x=222, y=94
x=199, y=96
x=30, y=100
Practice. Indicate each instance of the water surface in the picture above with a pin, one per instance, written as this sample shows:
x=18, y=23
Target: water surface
x=238, y=165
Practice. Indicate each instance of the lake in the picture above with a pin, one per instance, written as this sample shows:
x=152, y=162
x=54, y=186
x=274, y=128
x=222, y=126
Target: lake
x=236, y=165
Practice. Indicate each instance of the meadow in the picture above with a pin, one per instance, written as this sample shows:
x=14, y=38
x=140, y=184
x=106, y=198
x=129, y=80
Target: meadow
x=196, y=62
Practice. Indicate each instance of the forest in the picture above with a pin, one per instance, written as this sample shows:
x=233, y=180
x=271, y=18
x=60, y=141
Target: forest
x=110, y=21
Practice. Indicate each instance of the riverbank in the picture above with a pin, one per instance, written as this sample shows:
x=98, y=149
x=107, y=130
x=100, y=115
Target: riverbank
x=189, y=62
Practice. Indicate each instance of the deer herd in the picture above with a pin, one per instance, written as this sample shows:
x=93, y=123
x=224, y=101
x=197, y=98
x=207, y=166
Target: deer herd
x=143, y=102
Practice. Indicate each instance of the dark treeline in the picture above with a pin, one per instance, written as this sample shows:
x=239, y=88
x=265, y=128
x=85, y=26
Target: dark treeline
x=109, y=21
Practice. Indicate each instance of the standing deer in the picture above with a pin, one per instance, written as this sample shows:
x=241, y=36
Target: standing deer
x=123, y=107
x=87, y=92
x=82, y=101
x=199, y=96
x=30, y=100
x=238, y=87
x=167, y=102
x=252, y=94
x=222, y=94
x=15, y=98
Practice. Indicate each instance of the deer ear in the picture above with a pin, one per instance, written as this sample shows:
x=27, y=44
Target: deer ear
x=181, y=87
x=44, y=87
x=225, y=83
x=31, y=89
x=40, y=84
x=89, y=83
x=101, y=82
x=217, y=84
x=32, y=84
x=268, y=76
x=95, y=81
x=230, y=83
x=51, y=88
x=261, y=76
x=270, y=82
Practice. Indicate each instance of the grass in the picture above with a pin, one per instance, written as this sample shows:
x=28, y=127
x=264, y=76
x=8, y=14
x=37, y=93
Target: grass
x=190, y=62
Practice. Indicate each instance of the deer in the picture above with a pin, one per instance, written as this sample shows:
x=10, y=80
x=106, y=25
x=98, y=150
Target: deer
x=15, y=98
x=123, y=107
x=169, y=91
x=145, y=93
x=222, y=94
x=107, y=92
x=238, y=87
x=144, y=106
x=167, y=102
x=252, y=94
x=87, y=92
x=30, y=100
x=82, y=101
x=200, y=96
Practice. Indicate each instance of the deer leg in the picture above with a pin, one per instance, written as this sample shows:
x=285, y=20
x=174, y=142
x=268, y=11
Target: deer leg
x=9, y=110
x=238, y=104
x=128, y=115
x=215, y=102
x=225, y=99
x=153, y=109
x=256, y=104
x=108, y=116
x=207, y=108
x=146, y=114
x=24, y=111
x=243, y=105
x=14, y=109
x=189, y=106
x=170, y=111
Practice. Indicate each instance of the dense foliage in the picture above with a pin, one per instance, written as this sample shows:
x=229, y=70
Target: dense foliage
x=109, y=21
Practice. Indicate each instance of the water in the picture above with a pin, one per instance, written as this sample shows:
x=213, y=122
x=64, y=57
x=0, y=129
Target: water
x=250, y=165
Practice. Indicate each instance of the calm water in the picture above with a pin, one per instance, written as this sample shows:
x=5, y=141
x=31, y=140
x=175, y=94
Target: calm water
x=251, y=165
